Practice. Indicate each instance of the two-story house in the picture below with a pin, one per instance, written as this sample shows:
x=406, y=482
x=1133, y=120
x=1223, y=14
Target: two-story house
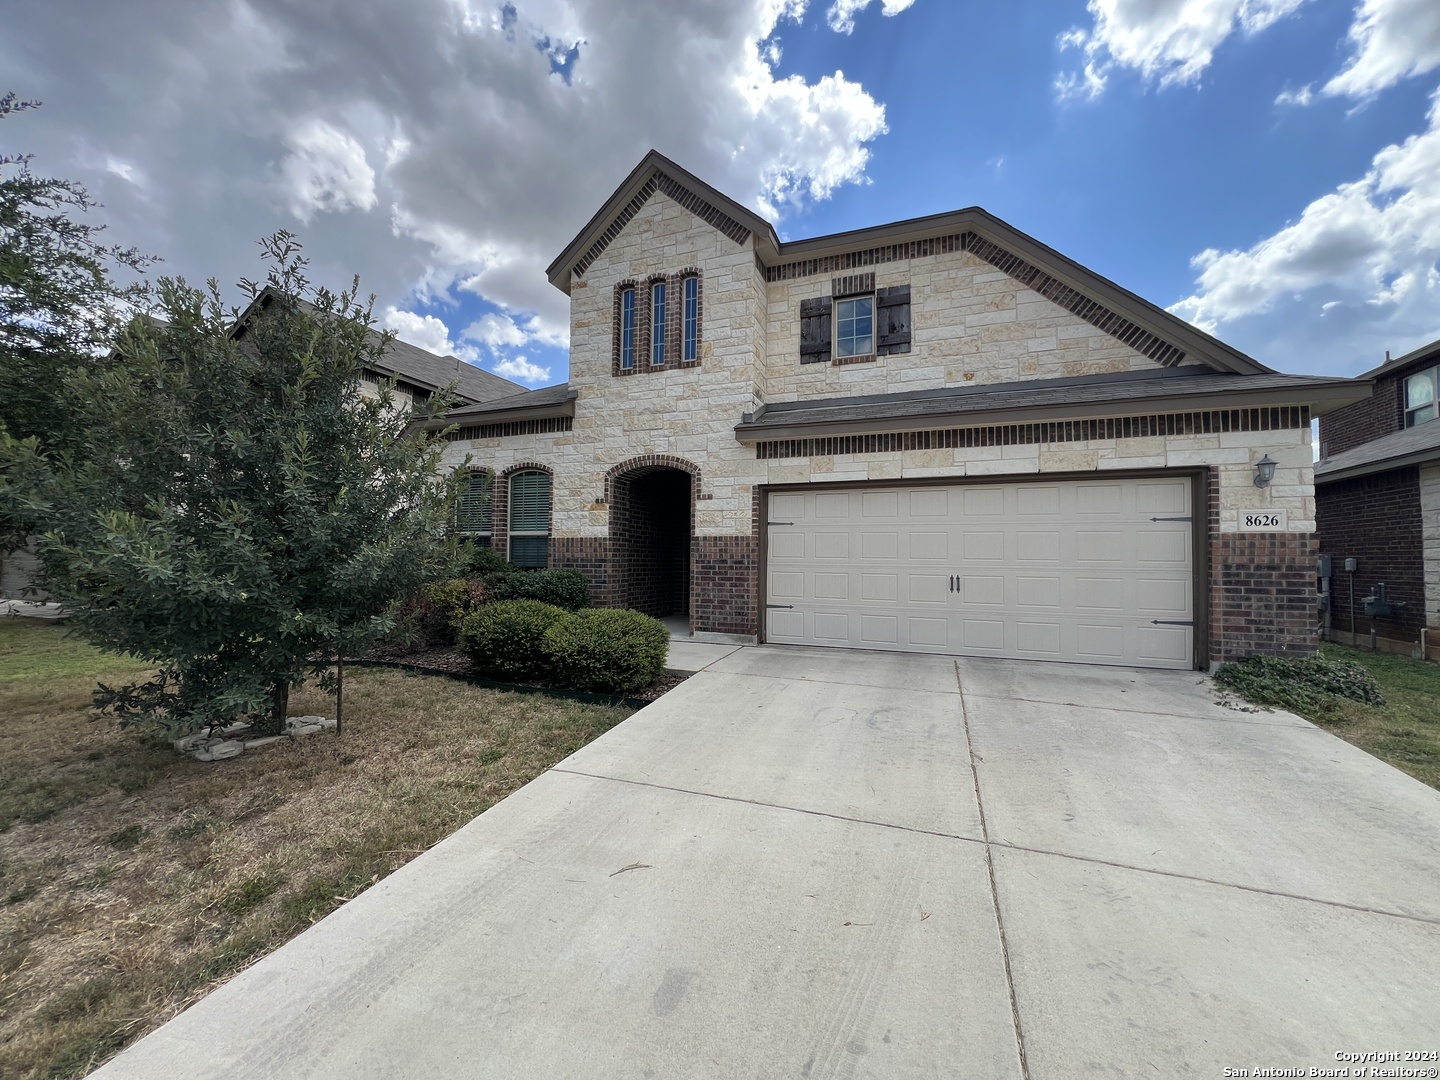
x=932, y=435
x=1377, y=489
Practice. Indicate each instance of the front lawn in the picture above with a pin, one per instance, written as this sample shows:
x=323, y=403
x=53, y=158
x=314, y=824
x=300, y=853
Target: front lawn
x=133, y=880
x=1403, y=731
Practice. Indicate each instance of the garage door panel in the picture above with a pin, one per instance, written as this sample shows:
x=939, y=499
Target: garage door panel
x=981, y=589
x=880, y=504
x=929, y=546
x=929, y=589
x=1060, y=570
x=880, y=545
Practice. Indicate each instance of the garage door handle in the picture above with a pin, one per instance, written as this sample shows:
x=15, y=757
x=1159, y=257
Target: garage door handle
x=952, y=582
x=1173, y=519
x=792, y=523
x=787, y=607
x=1172, y=622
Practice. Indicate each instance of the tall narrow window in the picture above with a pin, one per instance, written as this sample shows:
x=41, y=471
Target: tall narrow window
x=473, y=516
x=530, y=519
x=657, y=324
x=690, y=350
x=627, y=329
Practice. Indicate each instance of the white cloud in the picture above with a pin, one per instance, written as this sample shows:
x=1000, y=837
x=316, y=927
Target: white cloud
x=522, y=370
x=1376, y=240
x=435, y=146
x=495, y=331
x=325, y=170
x=841, y=15
x=426, y=332
x=1167, y=41
x=1299, y=98
x=1392, y=39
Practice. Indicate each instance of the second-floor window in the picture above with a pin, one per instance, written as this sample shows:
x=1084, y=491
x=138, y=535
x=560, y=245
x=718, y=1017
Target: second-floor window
x=627, y=329
x=691, y=333
x=1421, y=392
x=657, y=324
x=855, y=326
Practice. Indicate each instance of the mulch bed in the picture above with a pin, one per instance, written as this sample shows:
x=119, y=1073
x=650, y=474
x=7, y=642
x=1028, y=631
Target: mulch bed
x=450, y=662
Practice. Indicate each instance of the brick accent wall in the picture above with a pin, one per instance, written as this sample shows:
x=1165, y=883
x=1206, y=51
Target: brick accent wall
x=591, y=556
x=1375, y=519
x=650, y=527
x=1380, y=414
x=727, y=582
x=1262, y=590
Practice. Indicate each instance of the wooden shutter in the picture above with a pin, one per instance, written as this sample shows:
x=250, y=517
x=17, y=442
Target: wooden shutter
x=815, y=331
x=892, y=317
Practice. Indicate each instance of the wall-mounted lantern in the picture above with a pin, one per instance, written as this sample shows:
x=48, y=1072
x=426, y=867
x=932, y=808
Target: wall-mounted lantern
x=1264, y=471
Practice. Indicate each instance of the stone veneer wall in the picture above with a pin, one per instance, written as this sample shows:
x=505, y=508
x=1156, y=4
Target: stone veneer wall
x=1430, y=533
x=972, y=324
x=1376, y=520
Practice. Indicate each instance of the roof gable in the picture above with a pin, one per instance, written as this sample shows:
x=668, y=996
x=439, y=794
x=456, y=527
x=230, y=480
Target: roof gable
x=1146, y=327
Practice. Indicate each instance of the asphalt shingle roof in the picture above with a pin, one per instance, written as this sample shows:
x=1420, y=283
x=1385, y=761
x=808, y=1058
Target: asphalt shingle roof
x=1422, y=440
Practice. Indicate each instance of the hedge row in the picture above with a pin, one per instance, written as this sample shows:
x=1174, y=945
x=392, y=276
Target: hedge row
x=431, y=619
x=602, y=649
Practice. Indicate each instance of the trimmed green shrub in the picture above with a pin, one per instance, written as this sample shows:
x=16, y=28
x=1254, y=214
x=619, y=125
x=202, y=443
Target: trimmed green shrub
x=429, y=619
x=506, y=639
x=607, y=649
x=567, y=589
x=483, y=562
x=1304, y=684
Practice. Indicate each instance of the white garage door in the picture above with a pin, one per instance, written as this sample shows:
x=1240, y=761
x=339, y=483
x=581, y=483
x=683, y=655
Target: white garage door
x=1092, y=571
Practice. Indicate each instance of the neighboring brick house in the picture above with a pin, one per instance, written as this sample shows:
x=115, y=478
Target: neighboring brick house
x=1377, y=489
x=933, y=435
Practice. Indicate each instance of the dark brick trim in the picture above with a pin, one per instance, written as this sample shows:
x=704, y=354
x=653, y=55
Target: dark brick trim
x=702, y=209
x=674, y=322
x=1054, y=290
x=649, y=463
x=1125, y=427
x=545, y=426
x=1376, y=520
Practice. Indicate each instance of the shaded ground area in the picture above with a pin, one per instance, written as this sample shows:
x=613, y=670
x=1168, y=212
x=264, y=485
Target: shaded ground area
x=133, y=881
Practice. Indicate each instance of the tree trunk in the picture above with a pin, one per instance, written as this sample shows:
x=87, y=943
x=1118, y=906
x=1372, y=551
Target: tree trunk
x=274, y=724
x=339, y=695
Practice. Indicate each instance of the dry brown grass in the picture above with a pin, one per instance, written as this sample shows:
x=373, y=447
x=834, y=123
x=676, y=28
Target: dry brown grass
x=133, y=881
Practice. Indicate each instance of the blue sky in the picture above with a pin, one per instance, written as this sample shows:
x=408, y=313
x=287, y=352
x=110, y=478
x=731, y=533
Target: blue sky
x=1269, y=169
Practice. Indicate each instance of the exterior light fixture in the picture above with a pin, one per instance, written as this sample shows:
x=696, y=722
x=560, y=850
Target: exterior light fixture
x=1264, y=471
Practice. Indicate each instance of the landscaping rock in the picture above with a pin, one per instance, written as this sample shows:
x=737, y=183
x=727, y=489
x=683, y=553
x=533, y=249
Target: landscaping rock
x=307, y=725
x=219, y=750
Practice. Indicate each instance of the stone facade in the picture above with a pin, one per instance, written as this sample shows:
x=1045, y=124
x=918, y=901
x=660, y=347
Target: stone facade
x=1430, y=539
x=973, y=324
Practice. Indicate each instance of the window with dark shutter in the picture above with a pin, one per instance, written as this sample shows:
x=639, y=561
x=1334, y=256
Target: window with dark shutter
x=892, y=318
x=815, y=331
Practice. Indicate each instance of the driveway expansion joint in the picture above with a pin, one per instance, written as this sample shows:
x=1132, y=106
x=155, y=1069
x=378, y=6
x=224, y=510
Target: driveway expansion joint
x=994, y=888
x=829, y=682
x=1307, y=726
x=770, y=805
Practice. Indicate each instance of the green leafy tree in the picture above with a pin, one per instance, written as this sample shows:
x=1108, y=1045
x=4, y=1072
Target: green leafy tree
x=242, y=513
x=60, y=310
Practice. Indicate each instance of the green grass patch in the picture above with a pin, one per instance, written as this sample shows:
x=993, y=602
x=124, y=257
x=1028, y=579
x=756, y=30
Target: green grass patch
x=31, y=649
x=1387, y=705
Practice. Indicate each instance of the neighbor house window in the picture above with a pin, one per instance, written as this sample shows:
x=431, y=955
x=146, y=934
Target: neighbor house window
x=473, y=517
x=690, y=349
x=657, y=324
x=530, y=519
x=627, y=329
x=855, y=326
x=1421, y=392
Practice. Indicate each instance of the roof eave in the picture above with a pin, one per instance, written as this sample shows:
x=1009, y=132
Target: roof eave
x=470, y=417
x=1416, y=457
x=1327, y=396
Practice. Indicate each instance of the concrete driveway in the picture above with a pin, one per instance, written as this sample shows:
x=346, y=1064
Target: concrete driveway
x=808, y=863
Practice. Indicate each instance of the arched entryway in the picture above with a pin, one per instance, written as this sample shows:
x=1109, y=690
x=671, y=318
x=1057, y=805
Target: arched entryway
x=652, y=523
